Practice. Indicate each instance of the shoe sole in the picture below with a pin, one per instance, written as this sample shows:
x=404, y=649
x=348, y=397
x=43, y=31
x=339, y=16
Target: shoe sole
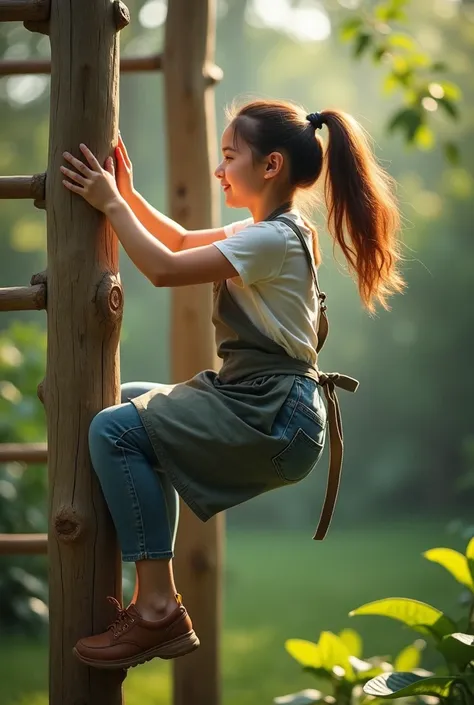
x=180, y=646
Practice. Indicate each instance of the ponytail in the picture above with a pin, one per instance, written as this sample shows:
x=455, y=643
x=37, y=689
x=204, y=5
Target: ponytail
x=363, y=216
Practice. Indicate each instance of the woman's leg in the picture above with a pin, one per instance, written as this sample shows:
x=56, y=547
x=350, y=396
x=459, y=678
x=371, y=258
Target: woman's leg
x=130, y=390
x=124, y=461
x=145, y=574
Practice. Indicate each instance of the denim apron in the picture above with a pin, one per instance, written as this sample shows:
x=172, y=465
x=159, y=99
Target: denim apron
x=256, y=425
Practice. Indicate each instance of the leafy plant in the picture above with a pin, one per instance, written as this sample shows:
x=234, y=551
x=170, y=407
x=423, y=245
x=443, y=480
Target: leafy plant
x=455, y=642
x=336, y=660
x=23, y=589
x=409, y=70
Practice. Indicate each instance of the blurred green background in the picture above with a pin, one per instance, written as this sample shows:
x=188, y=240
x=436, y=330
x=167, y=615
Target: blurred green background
x=409, y=464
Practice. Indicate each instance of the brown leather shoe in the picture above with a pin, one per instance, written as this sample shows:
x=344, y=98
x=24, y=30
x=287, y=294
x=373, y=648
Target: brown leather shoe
x=131, y=640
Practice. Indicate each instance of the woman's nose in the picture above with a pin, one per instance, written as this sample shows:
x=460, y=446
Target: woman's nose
x=219, y=172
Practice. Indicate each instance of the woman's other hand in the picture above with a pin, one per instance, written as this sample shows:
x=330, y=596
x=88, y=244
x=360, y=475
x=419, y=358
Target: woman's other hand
x=96, y=185
x=124, y=170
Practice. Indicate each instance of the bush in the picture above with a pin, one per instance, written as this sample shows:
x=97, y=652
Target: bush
x=336, y=660
x=23, y=489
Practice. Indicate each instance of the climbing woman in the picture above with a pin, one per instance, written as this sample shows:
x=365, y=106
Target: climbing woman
x=221, y=438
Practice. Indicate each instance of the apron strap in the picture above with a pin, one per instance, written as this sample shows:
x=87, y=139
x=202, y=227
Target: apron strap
x=336, y=445
x=329, y=382
x=323, y=323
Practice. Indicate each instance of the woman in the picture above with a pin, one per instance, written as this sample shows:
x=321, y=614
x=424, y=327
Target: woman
x=220, y=439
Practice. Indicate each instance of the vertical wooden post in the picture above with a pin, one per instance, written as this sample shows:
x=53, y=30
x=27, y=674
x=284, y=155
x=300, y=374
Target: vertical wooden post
x=191, y=137
x=84, y=315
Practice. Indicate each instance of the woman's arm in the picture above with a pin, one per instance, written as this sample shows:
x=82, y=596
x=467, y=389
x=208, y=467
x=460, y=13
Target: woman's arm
x=160, y=264
x=167, y=231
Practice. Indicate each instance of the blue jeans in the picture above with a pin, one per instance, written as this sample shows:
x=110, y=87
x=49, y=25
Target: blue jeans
x=142, y=501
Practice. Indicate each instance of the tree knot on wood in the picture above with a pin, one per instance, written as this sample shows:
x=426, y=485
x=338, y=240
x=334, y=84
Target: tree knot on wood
x=69, y=526
x=109, y=298
x=38, y=190
x=39, y=278
x=38, y=26
x=41, y=390
x=39, y=290
x=121, y=15
x=201, y=562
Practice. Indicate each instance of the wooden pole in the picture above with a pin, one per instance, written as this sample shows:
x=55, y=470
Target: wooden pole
x=23, y=544
x=84, y=315
x=30, y=453
x=24, y=10
x=23, y=186
x=191, y=139
x=132, y=64
x=23, y=298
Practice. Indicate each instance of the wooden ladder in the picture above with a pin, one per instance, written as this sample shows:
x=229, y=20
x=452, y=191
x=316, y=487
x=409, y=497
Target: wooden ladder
x=83, y=297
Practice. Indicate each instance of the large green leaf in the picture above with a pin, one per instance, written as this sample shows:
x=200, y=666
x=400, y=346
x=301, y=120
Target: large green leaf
x=353, y=641
x=305, y=652
x=335, y=653
x=408, y=659
x=402, y=685
x=418, y=615
x=458, y=648
x=454, y=562
x=328, y=654
x=305, y=697
x=470, y=557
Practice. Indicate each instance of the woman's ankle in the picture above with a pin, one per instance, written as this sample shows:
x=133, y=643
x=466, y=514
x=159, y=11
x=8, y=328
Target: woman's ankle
x=155, y=606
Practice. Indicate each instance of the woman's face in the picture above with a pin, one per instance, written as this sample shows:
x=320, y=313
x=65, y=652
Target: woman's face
x=241, y=176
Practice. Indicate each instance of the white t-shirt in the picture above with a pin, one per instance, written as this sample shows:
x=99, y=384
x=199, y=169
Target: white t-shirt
x=275, y=286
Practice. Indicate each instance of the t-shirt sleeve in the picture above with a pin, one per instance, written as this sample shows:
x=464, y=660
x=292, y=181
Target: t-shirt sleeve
x=257, y=252
x=236, y=227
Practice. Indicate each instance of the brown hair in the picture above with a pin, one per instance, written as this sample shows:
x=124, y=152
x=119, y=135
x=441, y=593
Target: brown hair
x=363, y=216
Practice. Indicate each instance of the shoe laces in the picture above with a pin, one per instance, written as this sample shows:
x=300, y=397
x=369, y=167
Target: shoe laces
x=123, y=619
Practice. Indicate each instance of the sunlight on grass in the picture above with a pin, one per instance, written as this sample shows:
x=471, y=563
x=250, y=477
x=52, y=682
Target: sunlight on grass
x=150, y=684
x=280, y=586
x=31, y=699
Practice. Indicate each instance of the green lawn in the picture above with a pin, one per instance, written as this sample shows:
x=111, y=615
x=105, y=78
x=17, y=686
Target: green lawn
x=277, y=587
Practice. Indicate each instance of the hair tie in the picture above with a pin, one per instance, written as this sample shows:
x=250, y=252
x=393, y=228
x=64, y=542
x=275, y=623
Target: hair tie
x=317, y=120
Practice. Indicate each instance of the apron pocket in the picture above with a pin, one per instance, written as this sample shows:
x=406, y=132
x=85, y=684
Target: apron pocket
x=299, y=457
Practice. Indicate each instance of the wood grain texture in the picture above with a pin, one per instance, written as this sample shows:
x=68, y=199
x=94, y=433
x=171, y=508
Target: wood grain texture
x=23, y=452
x=23, y=544
x=193, y=196
x=24, y=10
x=23, y=298
x=23, y=186
x=82, y=377
x=132, y=64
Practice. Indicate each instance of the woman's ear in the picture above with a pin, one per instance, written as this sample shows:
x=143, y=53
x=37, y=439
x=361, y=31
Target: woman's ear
x=274, y=165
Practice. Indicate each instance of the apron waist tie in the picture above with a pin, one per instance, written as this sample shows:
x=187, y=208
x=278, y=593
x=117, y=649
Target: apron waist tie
x=329, y=381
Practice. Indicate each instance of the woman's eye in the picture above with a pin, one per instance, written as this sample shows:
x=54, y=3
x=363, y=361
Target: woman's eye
x=227, y=159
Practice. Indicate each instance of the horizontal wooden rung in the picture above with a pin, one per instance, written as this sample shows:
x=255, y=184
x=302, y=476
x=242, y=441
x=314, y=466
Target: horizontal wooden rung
x=11, y=67
x=25, y=452
x=23, y=186
x=23, y=544
x=23, y=298
x=24, y=10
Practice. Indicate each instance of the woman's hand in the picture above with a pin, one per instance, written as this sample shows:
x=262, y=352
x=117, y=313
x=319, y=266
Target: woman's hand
x=96, y=185
x=124, y=170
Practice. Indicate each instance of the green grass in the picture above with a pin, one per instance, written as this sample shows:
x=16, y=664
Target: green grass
x=277, y=587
